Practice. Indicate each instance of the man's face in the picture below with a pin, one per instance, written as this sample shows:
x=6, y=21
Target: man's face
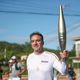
x=14, y=60
x=36, y=43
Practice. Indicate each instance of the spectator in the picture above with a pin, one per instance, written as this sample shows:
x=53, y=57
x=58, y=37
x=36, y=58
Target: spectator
x=71, y=73
x=1, y=72
x=16, y=69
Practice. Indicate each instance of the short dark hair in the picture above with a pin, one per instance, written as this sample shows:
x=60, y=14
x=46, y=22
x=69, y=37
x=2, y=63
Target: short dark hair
x=37, y=33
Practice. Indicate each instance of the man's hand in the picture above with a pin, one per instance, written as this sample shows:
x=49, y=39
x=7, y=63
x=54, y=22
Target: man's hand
x=64, y=55
x=18, y=74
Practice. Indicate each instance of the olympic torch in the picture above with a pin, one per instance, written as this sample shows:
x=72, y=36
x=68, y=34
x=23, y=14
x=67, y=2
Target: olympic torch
x=62, y=30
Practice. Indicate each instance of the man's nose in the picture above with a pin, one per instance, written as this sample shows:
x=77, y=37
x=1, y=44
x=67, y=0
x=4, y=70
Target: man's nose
x=35, y=42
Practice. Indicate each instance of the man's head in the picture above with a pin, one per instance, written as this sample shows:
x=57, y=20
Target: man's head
x=37, y=41
x=14, y=59
x=10, y=61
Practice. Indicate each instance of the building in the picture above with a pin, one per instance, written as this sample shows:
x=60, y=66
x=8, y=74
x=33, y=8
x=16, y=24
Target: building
x=77, y=46
x=76, y=59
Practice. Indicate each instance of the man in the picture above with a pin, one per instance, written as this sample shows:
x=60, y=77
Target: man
x=16, y=69
x=41, y=64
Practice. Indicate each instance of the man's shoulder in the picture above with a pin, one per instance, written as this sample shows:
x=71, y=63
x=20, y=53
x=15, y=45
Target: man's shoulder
x=51, y=54
x=30, y=55
x=18, y=63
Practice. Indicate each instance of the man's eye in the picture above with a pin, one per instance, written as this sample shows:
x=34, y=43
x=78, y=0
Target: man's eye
x=32, y=41
x=35, y=41
x=38, y=40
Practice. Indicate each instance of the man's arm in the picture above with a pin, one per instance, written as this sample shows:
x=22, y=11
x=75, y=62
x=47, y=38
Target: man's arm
x=22, y=69
x=61, y=64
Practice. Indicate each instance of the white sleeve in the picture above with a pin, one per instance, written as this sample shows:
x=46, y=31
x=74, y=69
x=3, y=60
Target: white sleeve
x=60, y=66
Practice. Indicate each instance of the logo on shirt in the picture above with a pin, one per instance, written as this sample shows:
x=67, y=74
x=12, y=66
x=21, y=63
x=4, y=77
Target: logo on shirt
x=44, y=61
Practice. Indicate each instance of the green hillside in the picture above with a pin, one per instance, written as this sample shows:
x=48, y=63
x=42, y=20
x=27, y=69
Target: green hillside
x=9, y=49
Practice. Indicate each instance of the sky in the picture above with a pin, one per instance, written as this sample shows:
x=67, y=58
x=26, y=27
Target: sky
x=19, y=18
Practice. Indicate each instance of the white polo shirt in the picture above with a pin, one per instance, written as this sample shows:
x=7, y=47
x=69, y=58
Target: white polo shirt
x=40, y=67
x=13, y=70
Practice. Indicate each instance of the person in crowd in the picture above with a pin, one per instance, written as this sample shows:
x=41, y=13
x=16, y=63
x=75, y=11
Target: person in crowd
x=1, y=72
x=15, y=69
x=71, y=73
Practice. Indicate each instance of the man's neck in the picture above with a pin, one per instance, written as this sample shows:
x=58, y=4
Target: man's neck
x=39, y=52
